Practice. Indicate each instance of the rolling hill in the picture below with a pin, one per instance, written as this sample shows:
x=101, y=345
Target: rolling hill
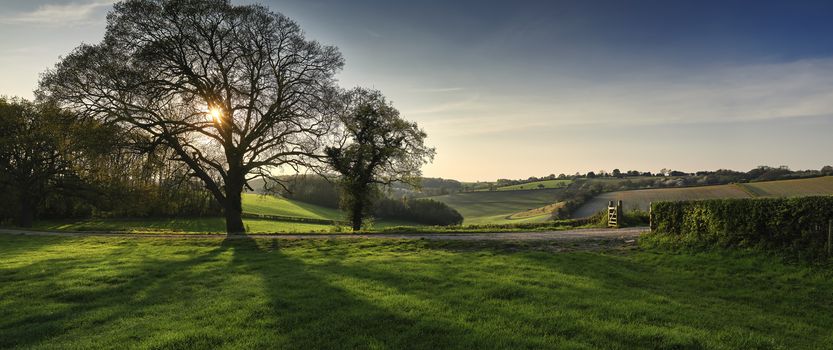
x=273, y=205
x=498, y=207
x=640, y=199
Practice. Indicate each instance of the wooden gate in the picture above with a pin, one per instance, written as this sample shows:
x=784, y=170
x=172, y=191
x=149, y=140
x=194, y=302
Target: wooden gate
x=614, y=214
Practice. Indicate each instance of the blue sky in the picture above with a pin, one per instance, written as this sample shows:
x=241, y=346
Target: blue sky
x=513, y=89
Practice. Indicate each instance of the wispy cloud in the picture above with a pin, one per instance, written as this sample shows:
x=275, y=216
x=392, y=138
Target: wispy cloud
x=59, y=14
x=474, y=126
x=438, y=90
x=716, y=95
x=467, y=104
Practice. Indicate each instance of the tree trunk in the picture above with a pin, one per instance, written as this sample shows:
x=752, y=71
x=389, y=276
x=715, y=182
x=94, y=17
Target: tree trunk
x=233, y=207
x=356, y=215
x=27, y=211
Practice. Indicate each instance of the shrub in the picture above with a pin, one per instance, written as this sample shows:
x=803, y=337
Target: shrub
x=795, y=226
x=423, y=211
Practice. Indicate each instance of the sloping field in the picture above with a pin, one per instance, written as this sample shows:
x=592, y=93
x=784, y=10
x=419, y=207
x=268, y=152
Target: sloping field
x=545, y=210
x=496, y=206
x=819, y=186
x=272, y=205
x=640, y=199
x=537, y=185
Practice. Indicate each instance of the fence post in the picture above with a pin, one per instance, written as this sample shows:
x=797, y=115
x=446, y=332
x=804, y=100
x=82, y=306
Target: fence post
x=829, y=237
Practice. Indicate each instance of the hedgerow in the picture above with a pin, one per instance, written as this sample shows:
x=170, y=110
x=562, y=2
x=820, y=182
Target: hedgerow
x=795, y=226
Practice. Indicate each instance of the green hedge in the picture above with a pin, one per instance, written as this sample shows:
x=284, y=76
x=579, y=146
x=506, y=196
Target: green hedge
x=789, y=225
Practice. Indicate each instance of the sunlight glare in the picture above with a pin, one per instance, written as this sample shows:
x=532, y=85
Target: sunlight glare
x=216, y=114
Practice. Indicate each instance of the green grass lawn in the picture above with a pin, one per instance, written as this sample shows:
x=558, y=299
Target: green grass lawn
x=90, y=292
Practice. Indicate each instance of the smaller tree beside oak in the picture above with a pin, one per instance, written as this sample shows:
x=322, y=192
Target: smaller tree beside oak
x=376, y=148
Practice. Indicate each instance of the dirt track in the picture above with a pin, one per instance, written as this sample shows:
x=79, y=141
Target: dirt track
x=578, y=234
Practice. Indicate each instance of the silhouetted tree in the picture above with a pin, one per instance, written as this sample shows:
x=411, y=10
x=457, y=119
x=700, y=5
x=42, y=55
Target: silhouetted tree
x=827, y=170
x=234, y=91
x=36, y=146
x=377, y=147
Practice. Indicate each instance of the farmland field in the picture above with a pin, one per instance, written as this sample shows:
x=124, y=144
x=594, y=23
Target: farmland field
x=92, y=293
x=537, y=185
x=495, y=207
x=640, y=199
x=819, y=186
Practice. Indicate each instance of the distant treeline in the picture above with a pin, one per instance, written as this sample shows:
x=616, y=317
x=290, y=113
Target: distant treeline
x=634, y=179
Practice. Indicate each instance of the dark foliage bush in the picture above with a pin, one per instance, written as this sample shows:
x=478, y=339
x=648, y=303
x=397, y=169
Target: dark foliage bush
x=794, y=226
x=422, y=211
x=309, y=189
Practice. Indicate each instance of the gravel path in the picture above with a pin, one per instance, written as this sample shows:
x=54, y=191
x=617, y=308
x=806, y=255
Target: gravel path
x=578, y=234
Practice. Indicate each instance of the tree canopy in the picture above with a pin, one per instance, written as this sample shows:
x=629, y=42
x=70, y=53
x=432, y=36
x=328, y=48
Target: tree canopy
x=233, y=91
x=377, y=147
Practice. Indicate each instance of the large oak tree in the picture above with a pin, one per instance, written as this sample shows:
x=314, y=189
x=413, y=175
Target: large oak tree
x=235, y=91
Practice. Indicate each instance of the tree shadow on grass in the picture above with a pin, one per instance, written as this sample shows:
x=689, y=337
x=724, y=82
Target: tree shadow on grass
x=264, y=293
x=13, y=245
x=310, y=310
x=585, y=298
x=238, y=292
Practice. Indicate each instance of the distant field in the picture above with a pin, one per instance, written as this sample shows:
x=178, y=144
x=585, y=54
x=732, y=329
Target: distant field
x=537, y=185
x=495, y=207
x=546, y=210
x=252, y=203
x=819, y=186
x=640, y=199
